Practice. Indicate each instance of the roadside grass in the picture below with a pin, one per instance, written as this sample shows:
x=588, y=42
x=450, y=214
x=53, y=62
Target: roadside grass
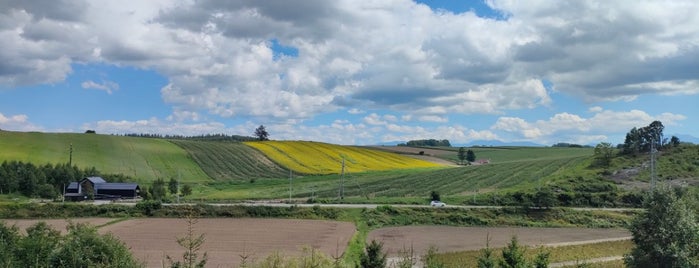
x=143, y=159
x=558, y=253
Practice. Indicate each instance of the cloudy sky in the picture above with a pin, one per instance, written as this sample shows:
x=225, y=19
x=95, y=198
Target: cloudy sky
x=352, y=72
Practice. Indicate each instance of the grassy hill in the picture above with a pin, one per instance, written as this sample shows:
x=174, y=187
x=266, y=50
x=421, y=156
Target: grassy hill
x=141, y=158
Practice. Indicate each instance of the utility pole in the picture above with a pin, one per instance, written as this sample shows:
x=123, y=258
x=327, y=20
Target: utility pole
x=70, y=158
x=341, y=193
x=290, y=187
x=652, y=164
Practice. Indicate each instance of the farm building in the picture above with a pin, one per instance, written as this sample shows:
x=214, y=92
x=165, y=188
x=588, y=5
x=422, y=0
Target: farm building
x=98, y=188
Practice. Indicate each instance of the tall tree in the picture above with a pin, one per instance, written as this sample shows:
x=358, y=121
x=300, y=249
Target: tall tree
x=261, y=133
x=470, y=156
x=513, y=255
x=462, y=154
x=173, y=186
x=666, y=233
x=373, y=257
x=604, y=152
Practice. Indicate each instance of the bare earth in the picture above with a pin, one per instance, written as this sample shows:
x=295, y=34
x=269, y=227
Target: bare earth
x=227, y=239
x=449, y=239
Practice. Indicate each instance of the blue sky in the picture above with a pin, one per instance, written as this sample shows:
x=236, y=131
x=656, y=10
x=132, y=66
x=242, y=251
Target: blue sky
x=352, y=72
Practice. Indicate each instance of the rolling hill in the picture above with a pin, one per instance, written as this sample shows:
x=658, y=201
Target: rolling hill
x=143, y=159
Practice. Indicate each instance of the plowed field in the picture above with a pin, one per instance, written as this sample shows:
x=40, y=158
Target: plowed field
x=449, y=239
x=227, y=239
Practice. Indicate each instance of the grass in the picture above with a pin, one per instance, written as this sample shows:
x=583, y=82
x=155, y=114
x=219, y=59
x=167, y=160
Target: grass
x=558, y=254
x=141, y=158
x=322, y=158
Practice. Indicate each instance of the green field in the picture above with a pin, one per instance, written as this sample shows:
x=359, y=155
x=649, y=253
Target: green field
x=231, y=160
x=141, y=158
x=414, y=185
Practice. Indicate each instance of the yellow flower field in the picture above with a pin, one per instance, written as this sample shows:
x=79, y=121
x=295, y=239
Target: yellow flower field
x=322, y=158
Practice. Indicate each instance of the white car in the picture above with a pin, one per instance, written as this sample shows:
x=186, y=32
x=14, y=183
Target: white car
x=438, y=204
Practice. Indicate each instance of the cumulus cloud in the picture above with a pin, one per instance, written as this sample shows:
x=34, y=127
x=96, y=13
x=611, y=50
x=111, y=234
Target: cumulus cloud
x=575, y=128
x=18, y=122
x=106, y=86
x=219, y=57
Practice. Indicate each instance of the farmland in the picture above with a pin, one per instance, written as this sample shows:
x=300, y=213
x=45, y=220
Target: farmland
x=321, y=158
x=142, y=159
x=230, y=160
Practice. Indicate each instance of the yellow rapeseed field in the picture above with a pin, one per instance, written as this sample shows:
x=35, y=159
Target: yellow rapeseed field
x=322, y=158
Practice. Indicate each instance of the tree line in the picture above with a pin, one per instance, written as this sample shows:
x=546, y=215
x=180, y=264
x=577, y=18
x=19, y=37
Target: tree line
x=206, y=137
x=641, y=140
x=429, y=142
x=45, y=181
x=42, y=246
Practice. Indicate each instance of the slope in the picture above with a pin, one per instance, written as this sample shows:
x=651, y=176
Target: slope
x=231, y=160
x=322, y=158
x=143, y=159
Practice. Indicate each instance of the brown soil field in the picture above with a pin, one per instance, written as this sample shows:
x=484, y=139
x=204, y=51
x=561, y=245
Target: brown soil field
x=57, y=224
x=227, y=239
x=450, y=239
x=429, y=155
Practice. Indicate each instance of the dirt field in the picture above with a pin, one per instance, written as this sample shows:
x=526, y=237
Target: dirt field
x=226, y=239
x=449, y=239
x=429, y=155
x=59, y=225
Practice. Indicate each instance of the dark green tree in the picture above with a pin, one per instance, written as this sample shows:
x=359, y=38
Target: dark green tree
x=434, y=196
x=674, y=141
x=487, y=259
x=470, y=156
x=666, y=233
x=513, y=255
x=157, y=190
x=35, y=249
x=261, y=133
x=173, y=186
x=604, y=152
x=186, y=190
x=84, y=247
x=462, y=154
x=373, y=257
x=9, y=238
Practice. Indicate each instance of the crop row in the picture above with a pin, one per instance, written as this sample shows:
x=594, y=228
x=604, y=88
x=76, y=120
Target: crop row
x=322, y=158
x=228, y=160
x=462, y=180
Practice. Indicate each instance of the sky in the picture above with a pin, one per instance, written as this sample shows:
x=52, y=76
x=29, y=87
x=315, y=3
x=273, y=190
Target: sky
x=352, y=72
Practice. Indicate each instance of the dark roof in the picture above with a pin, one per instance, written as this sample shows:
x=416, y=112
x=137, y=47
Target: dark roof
x=116, y=186
x=95, y=180
x=72, y=185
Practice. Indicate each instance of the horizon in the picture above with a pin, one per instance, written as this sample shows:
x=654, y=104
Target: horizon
x=353, y=72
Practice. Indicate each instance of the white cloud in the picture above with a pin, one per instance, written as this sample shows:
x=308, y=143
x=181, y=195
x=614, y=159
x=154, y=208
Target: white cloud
x=574, y=128
x=18, y=122
x=106, y=86
x=396, y=55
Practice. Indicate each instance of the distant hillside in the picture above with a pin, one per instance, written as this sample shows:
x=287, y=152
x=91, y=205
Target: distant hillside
x=141, y=158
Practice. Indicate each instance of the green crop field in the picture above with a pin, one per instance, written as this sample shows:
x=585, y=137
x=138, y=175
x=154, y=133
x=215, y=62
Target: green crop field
x=231, y=160
x=141, y=158
x=407, y=184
